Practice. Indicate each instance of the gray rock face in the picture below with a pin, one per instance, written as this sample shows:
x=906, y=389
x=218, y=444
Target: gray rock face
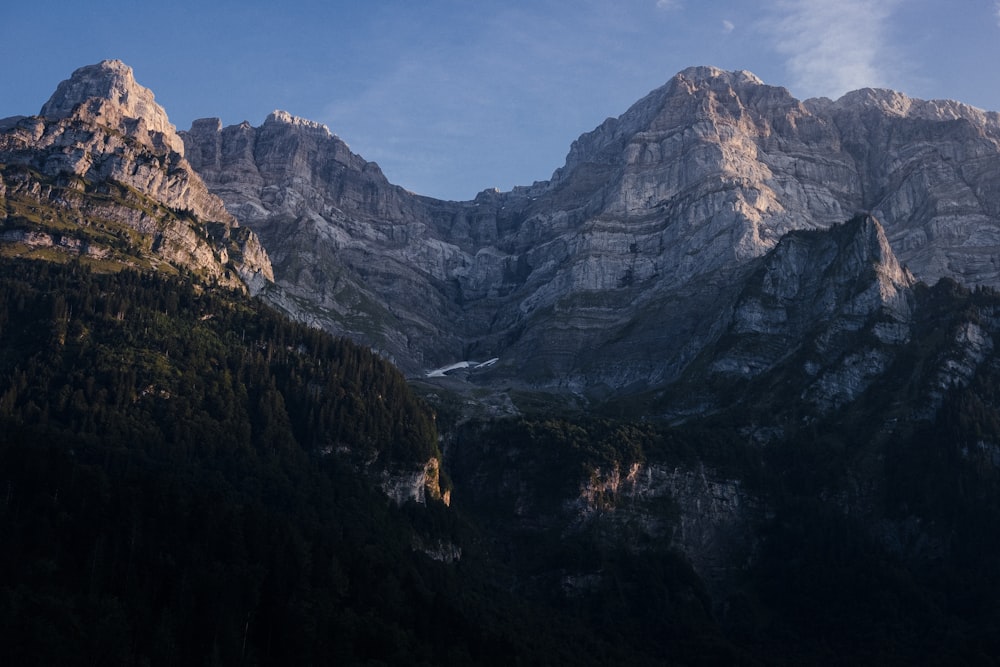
x=416, y=484
x=353, y=253
x=759, y=163
x=627, y=264
x=821, y=289
x=103, y=154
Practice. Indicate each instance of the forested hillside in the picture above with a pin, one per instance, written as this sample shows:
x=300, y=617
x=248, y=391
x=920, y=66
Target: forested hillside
x=141, y=358
x=188, y=478
x=180, y=480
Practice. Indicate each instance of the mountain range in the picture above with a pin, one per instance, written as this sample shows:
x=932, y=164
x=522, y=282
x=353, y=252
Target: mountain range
x=722, y=386
x=615, y=274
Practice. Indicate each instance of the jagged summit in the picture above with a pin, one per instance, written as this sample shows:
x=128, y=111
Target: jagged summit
x=830, y=307
x=703, y=73
x=675, y=118
x=279, y=116
x=894, y=103
x=108, y=79
x=845, y=274
x=108, y=93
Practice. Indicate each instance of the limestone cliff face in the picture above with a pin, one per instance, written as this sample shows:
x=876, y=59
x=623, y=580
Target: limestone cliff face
x=711, y=519
x=532, y=491
x=416, y=484
x=103, y=158
x=749, y=163
x=928, y=169
x=352, y=253
x=624, y=267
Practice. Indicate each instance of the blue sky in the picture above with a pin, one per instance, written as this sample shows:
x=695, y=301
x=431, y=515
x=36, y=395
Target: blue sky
x=451, y=97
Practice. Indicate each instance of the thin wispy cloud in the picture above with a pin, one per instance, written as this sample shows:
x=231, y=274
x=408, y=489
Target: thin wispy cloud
x=831, y=48
x=728, y=26
x=668, y=4
x=997, y=12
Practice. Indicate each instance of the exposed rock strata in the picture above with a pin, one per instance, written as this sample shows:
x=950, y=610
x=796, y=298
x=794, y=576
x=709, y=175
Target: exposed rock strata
x=811, y=298
x=353, y=253
x=416, y=484
x=620, y=270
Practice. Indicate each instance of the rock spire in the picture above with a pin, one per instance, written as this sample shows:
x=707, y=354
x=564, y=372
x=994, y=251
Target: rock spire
x=108, y=93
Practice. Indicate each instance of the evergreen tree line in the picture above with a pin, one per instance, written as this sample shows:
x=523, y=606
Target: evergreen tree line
x=141, y=360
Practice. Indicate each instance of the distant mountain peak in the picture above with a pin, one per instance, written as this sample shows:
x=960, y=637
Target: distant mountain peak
x=279, y=116
x=107, y=92
x=701, y=73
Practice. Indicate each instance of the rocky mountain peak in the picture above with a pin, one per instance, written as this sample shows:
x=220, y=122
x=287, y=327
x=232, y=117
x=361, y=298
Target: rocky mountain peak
x=852, y=263
x=678, y=130
x=279, y=116
x=703, y=75
x=104, y=161
x=284, y=151
x=889, y=102
x=874, y=249
x=893, y=104
x=107, y=93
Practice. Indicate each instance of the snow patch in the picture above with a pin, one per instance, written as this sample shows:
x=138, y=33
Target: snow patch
x=444, y=370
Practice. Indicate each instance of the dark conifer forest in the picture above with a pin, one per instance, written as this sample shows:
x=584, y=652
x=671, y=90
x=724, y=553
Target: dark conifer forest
x=189, y=478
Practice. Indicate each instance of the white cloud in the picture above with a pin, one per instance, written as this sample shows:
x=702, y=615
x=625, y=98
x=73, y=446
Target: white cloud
x=998, y=12
x=728, y=26
x=833, y=47
x=668, y=4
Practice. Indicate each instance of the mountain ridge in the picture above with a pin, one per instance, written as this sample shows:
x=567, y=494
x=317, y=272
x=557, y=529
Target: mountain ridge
x=613, y=277
x=659, y=210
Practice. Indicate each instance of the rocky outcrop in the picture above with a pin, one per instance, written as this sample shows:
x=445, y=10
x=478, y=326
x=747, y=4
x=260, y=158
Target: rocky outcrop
x=552, y=483
x=352, y=253
x=417, y=484
x=708, y=518
x=103, y=164
x=35, y=239
x=969, y=344
x=810, y=298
